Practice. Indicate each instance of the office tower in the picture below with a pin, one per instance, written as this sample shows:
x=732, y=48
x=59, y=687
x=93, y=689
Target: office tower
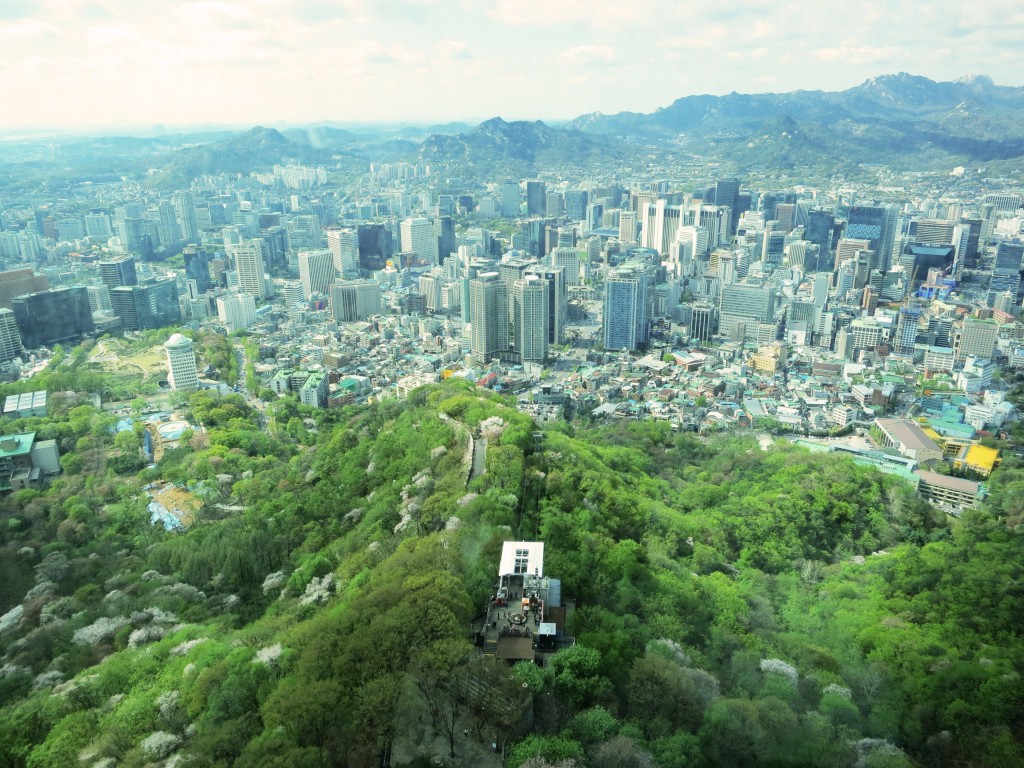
x=488, y=315
x=317, y=270
x=553, y=204
x=304, y=232
x=773, y=245
x=375, y=246
x=877, y=224
x=558, y=299
x=417, y=236
x=659, y=223
x=170, y=232
x=18, y=282
x=727, y=193
x=118, y=272
x=594, y=216
x=530, y=309
x=977, y=338
x=354, y=300
x=343, y=245
x=99, y=298
x=430, y=290
x=1004, y=202
x=569, y=258
x=510, y=198
x=702, y=322
x=748, y=304
x=185, y=210
x=181, y=362
x=785, y=214
x=153, y=304
x=905, y=335
x=97, y=225
x=847, y=248
x=625, y=308
x=197, y=267
x=250, y=267
x=54, y=316
x=627, y=227
x=1006, y=271
x=444, y=231
x=10, y=337
x=819, y=231
x=932, y=231
x=576, y=201
x=236, y=310
x=536, y=197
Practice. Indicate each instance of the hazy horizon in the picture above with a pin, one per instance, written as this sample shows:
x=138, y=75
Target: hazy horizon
x=98, y=65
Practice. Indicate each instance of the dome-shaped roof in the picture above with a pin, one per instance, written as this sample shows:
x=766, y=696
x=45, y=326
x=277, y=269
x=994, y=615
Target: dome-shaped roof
x=177, y=340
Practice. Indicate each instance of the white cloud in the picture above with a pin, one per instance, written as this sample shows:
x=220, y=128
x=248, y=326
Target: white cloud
x=588, y=54
x=864, y=54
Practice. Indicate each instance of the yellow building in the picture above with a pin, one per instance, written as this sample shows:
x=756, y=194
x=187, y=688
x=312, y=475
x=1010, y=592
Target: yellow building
x=977, y=458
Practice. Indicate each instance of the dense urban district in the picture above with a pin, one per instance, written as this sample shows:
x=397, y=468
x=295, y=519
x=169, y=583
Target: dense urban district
x=428, y=453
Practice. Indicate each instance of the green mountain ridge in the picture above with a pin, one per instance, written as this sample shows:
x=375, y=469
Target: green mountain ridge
x=734, y=606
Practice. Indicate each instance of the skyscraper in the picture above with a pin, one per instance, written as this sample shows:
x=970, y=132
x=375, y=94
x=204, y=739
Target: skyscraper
x=488, y=314
x=353, y=300
x=569, y=259
x=197, y=267
x=10, y=337
x=625, y=309
x=154, y=304
x=251, y=267
x=558, y=299
x=54, y=316
x=181, y=362
x=317, y=270
x=236, y=310
x=536, y=198
x=530, y=301
x=119, y=271
x=417, y=235
x=877, y=225
x=510, y=198
x=343, y=245
x=727, y=193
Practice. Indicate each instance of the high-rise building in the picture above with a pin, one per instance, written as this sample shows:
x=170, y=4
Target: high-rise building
x=197, y=267
x=530, y=302
x=97, y=225
x=99, y=298
x=181, y=362
x=727, y=193
x=877, y=224
x=236, y=310
x=558, y=299
x=317, y=270
x=251, y=268
x=153, y=304
x=659, y=223
x=354, y=300
x=118, y=272
x=375, y=246
x=18, y=282
x=444, y=231
x=576, y=204
x=343, y=245
x=536, y=198
x=54, y=316
x=749, y=304
x=977, y=338
x=10, y=337
x=170, y=232
x=510, y=198
x=905, y=334
x=417, y=236
x=185, y=210
x=488, y=315
x=569, y=259
x=625, y=308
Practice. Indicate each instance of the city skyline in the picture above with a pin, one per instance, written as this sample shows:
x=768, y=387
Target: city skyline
x=93, y=64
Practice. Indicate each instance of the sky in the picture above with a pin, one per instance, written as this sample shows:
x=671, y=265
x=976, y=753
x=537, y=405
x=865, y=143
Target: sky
x=82, y=64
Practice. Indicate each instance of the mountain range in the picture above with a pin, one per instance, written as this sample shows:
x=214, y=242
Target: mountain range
x=903, y=121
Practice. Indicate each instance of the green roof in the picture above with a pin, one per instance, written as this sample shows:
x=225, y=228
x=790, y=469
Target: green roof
x=16, y=445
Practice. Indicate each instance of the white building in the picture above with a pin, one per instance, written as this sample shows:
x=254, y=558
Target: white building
x=236, y=311
x=181, y=362
x=417, y=236
x=317, y=270
x=530, y=309
x=343, y=245
x=250, y=267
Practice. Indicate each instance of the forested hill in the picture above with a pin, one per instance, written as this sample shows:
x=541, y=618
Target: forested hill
x=735, y=607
